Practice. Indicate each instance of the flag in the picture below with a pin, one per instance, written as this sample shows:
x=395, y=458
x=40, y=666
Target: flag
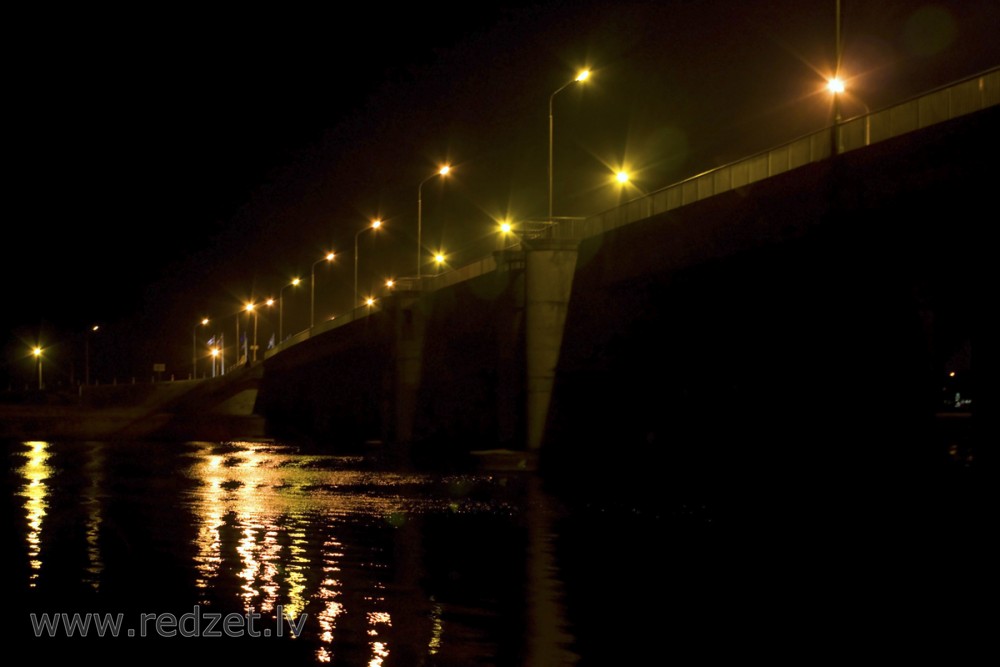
x=270, y=343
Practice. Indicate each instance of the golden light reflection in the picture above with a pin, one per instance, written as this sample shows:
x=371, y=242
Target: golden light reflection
x=380, y=649
x=92, y=502
x=264, y=521
x=437, y=629
x=35, y=491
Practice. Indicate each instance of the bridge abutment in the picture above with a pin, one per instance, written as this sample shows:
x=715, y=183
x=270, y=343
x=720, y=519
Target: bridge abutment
x=549, y=269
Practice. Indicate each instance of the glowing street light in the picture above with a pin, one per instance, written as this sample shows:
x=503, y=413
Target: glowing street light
x=251, y=309
x=86, y=354
x=390, y=283
x=838, y=87
x=281, y=308
x=37, y=351
x=194, y=347
x=375, y=225
x=505, y=228
x=370, y=302
x=580, y=78
x=443, y=171
x=622, y=177
x=312, y=288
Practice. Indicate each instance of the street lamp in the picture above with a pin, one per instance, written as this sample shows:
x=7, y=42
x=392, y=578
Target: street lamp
x=312, y=288
x=439, y=258
x=443, y=171
x=86, y=355
x=194, y=347
x=37, y=351
x=838, y=87
x=281, y=308
x=215, y=355
x=375, y=225
x=252, y=310
x=580, y=78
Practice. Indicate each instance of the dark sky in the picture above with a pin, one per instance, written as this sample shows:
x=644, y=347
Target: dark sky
x=167, y=164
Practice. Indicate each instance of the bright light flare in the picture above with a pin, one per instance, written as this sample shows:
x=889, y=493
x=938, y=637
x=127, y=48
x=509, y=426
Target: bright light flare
x=37, y=351
x=269, y=302
x=439, y=258
x=204, y=321
x=376, y=224
x=835, y=85
x=249, y=308
x=296, y=281
x=215, y=351
x=444, y=170
x=583, y=75
x=389, y=283
x=369, y=301
x=329, y=256
x=505, y=227
x=622, y=177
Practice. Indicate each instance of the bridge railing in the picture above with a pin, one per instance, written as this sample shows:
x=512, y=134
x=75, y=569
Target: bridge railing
x=957, y=99
x=952, y=101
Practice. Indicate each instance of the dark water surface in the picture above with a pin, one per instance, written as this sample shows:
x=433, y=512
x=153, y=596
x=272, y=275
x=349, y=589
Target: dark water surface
x=383, y=567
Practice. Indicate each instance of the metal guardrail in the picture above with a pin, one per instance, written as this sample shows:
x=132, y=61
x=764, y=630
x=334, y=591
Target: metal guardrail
x=952, y=101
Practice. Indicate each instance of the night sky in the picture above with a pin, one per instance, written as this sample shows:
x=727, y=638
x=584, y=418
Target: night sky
x=166, y=164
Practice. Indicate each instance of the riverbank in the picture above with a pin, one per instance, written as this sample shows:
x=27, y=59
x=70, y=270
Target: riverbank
x=210, y=409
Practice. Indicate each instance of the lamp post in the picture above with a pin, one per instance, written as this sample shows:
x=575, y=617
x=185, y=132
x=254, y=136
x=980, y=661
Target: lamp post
x=194, y=347
x=836, y=86
x=86, y=355
x=375, y=225
x=312, y=288
x=281, y=308
x=443, y=171
x=581, y=77
x=252, y=310
x=37, y=351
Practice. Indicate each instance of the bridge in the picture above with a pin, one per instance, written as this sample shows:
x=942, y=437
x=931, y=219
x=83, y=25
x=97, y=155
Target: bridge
x=819, y=287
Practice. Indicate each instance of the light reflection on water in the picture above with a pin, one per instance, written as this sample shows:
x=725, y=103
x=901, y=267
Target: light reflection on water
x=389, y=567
x=35, y=472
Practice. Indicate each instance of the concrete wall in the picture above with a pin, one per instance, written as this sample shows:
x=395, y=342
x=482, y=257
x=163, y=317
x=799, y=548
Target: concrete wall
x=792, y=331
x=442, y=371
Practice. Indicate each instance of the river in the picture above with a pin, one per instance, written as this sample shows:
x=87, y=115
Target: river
x=193, y=551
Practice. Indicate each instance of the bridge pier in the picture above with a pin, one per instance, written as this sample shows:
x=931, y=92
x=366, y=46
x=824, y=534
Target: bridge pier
x=549, y=268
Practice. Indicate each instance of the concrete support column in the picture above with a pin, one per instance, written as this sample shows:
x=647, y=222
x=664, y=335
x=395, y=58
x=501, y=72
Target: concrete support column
x=549, y=269
x=409, y=324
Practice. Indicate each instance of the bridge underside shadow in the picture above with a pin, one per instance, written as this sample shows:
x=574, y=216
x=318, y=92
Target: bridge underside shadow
x=783, y=339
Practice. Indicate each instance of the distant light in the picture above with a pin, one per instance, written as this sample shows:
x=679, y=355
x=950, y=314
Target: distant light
x=296, y=281
x=37, y=351
x=951, y=374
x=95, y=327
x=369, y=301
x=329, y=256
x=835, y=85
x=249, y=307
x=389, y=283
x=376, y=224
x=582, y=76
x=505, y=227
x=622, y=177
x=269, y=302
x=203, y=322
x=215, y=351
x=444, y=170
x=439, y=258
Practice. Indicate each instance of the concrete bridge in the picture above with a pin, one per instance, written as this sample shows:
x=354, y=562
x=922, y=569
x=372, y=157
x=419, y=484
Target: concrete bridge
x=820, y=288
